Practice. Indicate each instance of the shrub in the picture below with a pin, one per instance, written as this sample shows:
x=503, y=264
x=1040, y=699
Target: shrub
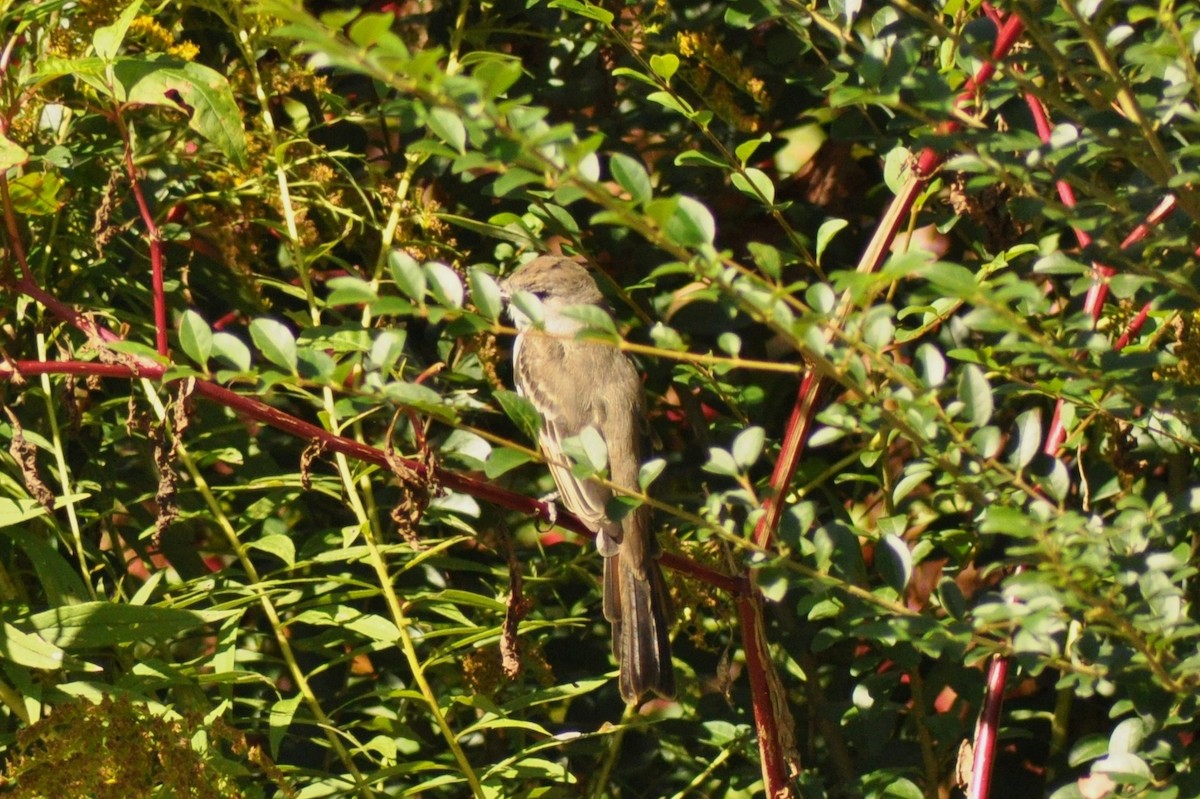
x=924, y=413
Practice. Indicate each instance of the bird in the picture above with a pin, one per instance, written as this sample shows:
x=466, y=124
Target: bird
x=575, y=384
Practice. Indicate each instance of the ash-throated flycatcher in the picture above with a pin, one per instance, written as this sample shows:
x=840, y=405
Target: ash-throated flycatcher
x=574, y=385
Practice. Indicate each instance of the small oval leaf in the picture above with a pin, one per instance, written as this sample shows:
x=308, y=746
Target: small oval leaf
x=630, y=176
x=195, y=337
x=275, y=342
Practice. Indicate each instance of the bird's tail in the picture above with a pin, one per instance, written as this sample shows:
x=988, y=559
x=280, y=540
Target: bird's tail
x=638, y=605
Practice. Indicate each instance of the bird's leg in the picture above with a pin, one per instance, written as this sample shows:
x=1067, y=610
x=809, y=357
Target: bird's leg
x=551, y=502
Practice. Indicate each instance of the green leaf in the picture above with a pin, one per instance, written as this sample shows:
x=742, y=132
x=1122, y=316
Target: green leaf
x=1028, y=435
x=58, y=578
x=386, y=349
x=529, y=305
x=195, y=337
x=485, y=293
x=721, y=462
x=664, y=65
x=976, y=394
x=588, y=450
x=685, y=221
x=513, y=178
x=90, y=70
x=29, y=650
x=894, y=561
x=448, y=126
x=650, y=471
x=754, y=183
x=1059, y=263
x=1125, y=768
x=583, y=9
x=407, y=273
x=951, y=598
x=106, y=41
x=444, y=284
x=36, y=193
x=279, y=719
x=748, y=446
x=767, y=258
x=90, y=625
x=933, y=365
x=594, y=318
x=667, y=338
x=558, y=219
x=1127, y=736
x=374, y=30
x=275, y=341
x=513, y=233
x=626, y=72
x=829, y=228
x=671, y=102
x=698, y=158
x=896, y=168
x=350, y=290
x=369, y=625
x=11, y=153
x=280, y=546
x=730, y=343
x=498, y=73
x=746, y=149
x=232, y=349
x=137, y=349
x=521, y=411
x=19, y=511
x=199, y=91
x=422, y=398
x=901, y=788
x=957, y=281
x=916, y=474
x=502, y=460
x=631, y=176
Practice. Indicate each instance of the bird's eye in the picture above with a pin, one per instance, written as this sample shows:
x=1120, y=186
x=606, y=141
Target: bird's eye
x=541, y=295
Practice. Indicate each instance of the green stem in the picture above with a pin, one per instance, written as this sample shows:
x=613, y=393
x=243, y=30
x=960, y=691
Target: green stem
x=64, y=473
x=333, y=733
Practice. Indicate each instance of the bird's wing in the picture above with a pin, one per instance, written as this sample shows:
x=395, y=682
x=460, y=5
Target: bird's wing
x=544, y=378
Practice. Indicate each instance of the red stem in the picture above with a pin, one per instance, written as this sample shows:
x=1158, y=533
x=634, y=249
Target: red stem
x=1132, y=330
x=799, y=425
x=267, y=414
x=794, y=437
x=65, y=312
x=154, y=236
x=14, y=234
x=1056, y=434
x=1165, y=208
x=987, y=729
x=1094, y=303
x=774, y=761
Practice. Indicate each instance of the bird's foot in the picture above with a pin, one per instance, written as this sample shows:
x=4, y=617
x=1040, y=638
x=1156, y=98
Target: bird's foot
x=551, y=503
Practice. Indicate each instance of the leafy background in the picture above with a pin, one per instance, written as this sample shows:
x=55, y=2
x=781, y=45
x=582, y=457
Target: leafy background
x=263, y=526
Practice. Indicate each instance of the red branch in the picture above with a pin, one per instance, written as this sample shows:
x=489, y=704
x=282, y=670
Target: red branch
x=1099, y=289
x=267, y=414
x=154, y=236
x=1056, y=434
x=987, y=729
x=776, y=767
x=796, y=434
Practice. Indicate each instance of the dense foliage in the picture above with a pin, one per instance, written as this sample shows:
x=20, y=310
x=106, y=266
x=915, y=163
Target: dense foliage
x=261, y=520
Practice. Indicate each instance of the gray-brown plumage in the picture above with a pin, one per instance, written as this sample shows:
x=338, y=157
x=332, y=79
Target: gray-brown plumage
x=576, y=384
